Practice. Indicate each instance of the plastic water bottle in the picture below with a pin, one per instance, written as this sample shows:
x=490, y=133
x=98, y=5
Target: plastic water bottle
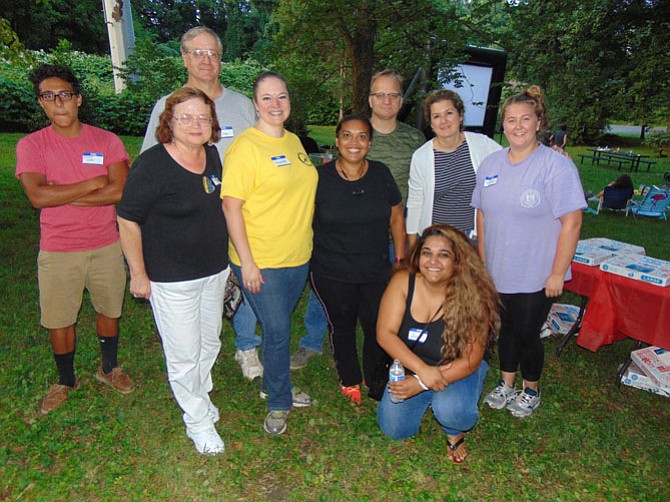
x=396, y=374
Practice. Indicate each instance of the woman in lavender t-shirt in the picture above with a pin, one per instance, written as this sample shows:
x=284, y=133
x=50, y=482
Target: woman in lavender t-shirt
x=529, y=200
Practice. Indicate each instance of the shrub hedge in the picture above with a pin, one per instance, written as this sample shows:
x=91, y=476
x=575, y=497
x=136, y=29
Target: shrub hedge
x=152, y=71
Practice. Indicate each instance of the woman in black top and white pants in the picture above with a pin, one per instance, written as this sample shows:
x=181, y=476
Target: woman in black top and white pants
x=175, y=239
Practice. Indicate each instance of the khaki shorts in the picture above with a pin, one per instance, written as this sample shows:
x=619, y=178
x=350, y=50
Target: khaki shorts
x=63, y=276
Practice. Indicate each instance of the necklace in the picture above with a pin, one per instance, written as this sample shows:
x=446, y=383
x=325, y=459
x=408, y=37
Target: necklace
x=361, y=170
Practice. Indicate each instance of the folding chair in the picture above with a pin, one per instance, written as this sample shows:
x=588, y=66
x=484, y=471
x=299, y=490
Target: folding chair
x=654, y=204
x=615, y=199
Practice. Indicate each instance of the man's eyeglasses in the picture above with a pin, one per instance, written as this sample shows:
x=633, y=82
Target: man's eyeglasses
x=393, y=96
x=63, y=95
x=187, y=120
x=201, y=53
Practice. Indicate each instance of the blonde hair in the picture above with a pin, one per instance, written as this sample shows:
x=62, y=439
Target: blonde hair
x=387, y=73
x=471, y=302
x=535, y=98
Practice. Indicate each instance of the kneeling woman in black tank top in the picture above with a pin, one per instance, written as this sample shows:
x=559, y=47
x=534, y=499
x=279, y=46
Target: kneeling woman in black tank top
x=439, y=318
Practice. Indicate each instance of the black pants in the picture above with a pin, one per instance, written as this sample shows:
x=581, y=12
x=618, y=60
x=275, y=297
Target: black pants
x=345, y=304
x=519, y=343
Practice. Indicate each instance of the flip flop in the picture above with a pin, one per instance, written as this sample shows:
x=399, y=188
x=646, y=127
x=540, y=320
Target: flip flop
x=453, y=448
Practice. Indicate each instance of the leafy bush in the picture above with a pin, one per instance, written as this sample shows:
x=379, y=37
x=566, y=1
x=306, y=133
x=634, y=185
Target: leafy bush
x=658, y=140
x=19, y=110
x=152, y=71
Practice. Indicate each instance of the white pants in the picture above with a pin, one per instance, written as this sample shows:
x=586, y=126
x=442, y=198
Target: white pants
x=189, y=320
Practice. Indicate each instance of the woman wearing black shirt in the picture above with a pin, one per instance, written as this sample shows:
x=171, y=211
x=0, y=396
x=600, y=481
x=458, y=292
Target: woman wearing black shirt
x=357, y=203
x=175, y=239
x=439, y=318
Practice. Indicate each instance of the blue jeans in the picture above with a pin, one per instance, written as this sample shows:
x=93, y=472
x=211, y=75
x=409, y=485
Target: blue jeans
x=316, y=324
x=244, y=324
x=455, y=408
x=273, y=306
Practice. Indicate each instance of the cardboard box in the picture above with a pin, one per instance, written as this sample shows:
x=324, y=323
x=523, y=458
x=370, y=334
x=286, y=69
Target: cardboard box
x=615, y=247
x=640, y=268
x=562, y=317
x=590, y=256
x=634, y=377
x=655, y=363
x=595, y=251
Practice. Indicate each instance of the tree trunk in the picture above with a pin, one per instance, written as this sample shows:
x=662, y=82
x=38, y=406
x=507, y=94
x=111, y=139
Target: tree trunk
x=362, y=48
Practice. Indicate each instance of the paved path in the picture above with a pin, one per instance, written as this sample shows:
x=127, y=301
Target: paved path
x=631, y=130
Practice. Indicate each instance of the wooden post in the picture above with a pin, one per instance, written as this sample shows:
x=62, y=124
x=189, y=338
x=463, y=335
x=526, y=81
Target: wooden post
x=121, y=36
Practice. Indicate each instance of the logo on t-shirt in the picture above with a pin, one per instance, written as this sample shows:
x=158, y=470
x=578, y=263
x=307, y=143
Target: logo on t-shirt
x=530, y=198
x=305, y=159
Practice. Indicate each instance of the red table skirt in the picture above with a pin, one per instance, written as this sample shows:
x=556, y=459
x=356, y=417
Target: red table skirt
x=620, y=308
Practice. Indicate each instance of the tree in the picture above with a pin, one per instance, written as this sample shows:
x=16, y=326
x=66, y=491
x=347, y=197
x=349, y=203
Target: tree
x=240, y=24
x=40, y=24
x=338, y=45
x=11, y=47
x=595, y=59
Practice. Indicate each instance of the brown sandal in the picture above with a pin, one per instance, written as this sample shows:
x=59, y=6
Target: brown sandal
x=452, y=450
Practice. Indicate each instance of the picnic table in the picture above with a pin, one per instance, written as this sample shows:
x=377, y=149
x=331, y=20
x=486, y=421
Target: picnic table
x=609, y=157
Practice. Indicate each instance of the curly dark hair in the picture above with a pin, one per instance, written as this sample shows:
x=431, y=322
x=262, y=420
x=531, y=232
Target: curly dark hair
x=471, y=302
x=46, y=71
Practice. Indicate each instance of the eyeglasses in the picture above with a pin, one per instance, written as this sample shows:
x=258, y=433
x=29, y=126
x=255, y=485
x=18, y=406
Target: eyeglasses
x=63, y=95
x=187, y=120
x=201, y=53
x=393, y=96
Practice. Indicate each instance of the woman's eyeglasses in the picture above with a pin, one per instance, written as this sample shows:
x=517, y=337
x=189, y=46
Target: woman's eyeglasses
x=187, y=120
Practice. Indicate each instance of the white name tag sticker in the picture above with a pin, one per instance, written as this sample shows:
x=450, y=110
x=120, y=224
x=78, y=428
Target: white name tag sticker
x=93, y=158
x=227, y=132
x=414, y=334
x=490, y=180
x=280, y=160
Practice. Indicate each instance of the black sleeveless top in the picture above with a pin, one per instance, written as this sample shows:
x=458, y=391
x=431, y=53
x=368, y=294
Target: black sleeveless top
x=424, y=339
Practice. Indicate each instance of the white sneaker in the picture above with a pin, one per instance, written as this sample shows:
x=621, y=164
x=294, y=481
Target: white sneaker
x=252, y=367
x=501, y=396
x=525, y=403
x=207, y=441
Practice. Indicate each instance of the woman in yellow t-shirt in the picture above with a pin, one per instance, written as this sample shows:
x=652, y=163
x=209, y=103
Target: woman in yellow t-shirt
x=268, y=191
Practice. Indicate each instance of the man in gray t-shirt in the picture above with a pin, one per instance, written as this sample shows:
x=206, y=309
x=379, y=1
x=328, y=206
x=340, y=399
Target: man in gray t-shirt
x=201, y=51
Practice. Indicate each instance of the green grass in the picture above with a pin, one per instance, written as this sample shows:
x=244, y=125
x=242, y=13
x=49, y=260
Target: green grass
x=590, y=440
x=323, y=135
